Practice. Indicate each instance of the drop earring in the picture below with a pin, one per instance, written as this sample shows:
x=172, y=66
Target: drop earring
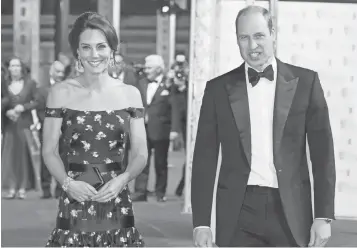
x=79, y=65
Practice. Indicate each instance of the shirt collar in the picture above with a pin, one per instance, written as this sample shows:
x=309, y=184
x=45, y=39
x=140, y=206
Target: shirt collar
x=273, y=63
x=159, y=78
x=52, y=81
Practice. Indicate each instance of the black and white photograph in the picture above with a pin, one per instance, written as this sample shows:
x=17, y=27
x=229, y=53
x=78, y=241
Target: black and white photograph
x=178, y=123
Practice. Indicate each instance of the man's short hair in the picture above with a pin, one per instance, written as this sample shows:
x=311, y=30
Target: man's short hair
x=256, y=9
x=155, y=59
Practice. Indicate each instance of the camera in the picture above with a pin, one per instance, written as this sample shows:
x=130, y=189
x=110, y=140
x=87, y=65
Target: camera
x=139, y=70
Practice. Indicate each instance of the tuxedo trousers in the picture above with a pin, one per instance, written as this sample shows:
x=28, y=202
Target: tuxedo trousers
x=161, y=148
x=262, y=221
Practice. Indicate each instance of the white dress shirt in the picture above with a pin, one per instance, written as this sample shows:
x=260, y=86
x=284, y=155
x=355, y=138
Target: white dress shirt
x=152, y=88
x=261, y=109
x=52, y=81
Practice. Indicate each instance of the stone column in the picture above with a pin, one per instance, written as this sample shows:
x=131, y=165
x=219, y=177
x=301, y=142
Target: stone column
x=111, y=10
x=163, y=35
x=105, y=8
x=61, y=29
x=27, y=33
x=202, y=56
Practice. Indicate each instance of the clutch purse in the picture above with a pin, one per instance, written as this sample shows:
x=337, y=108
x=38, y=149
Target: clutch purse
x=92, y=177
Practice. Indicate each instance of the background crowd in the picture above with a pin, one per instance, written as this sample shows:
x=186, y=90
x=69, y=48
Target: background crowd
x=23, y=103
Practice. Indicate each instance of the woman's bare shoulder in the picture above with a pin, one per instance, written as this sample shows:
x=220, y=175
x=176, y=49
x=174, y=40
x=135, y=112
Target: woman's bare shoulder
x=133, y=95
x=61, y=93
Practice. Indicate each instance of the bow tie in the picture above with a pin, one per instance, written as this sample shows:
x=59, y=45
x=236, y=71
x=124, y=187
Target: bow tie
x=153, y=81
x=255, y=76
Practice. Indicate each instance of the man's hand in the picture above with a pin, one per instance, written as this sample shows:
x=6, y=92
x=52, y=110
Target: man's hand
x=202, y=237
x=320, y=233
x=173, y=135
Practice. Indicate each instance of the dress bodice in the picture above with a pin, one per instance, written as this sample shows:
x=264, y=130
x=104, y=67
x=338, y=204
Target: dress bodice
x=93, y=137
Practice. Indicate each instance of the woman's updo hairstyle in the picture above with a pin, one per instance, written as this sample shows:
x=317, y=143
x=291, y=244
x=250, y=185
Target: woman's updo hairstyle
x=92, y=20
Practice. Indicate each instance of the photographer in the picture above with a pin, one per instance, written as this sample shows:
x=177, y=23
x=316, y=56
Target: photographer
x=179, y=78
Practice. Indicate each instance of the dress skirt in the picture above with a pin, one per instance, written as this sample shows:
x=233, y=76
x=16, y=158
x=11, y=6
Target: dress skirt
x=96, y=224
x=16, y=166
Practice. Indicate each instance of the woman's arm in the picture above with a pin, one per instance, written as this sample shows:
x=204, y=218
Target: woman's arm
x=138, y=153
x=52, y=132
x=35, y=96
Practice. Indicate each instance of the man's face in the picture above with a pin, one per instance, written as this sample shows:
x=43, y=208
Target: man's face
x=152, y=70
x=58, y=72
x=255, y=41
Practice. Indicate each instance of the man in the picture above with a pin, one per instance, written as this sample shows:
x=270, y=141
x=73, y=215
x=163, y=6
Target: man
x=161, y=126
x=57, y=71
x=123, y=71
x=179, y=88
x=260, y=114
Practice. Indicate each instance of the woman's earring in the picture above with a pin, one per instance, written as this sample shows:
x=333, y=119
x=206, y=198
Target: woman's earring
x=79, y=65
x=111, y=62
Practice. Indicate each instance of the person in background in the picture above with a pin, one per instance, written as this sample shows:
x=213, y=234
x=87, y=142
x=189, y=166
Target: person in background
x=17, y=172
x=123, y=71
x=161, y=126
x=5, y=99
x=179, y=92
x=57, y=72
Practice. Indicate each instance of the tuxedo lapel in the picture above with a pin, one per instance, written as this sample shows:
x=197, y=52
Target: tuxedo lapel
x=157, y=93
x=238, y=97
x=286, y=84
x=158, y=90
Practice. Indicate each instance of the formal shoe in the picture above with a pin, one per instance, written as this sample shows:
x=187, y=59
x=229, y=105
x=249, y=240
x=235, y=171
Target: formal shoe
x=161, y=199
x=139, y=198
x=46, y=195
x=178, y=193
x=21, y=194
x=11, y=194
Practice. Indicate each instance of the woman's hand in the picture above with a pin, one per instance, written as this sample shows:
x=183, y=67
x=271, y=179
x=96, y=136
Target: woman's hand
x=80, y=191
x=12, y=115
x=19, y=108
x=112, y=188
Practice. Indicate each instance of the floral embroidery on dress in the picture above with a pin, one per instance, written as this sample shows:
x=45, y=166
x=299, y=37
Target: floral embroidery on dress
x=112, y=144
x=96, y=137
x=98, y=118
x=80, y=119
x=86, y=145
x=89, y=128
x=100, y=135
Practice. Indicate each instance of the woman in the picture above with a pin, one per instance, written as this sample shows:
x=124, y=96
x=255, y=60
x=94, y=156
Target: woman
x=98, y=118
x=21, y=98
x=4, y=95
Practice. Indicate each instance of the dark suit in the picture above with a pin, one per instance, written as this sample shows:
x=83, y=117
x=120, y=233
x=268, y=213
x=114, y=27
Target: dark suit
x=180, y=106
x=300, y=109
x=130, y=76
x=161, y=121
